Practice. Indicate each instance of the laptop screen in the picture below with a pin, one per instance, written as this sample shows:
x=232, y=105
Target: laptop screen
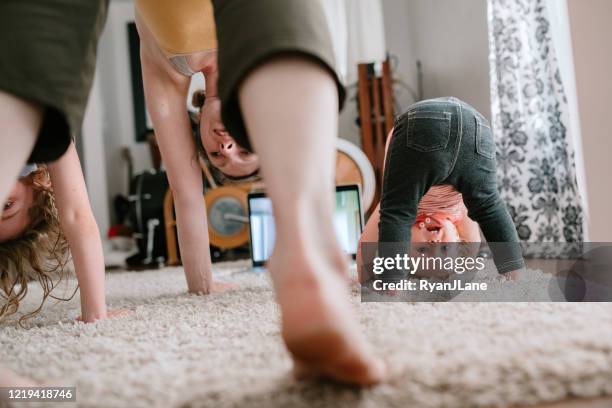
x=348, y=222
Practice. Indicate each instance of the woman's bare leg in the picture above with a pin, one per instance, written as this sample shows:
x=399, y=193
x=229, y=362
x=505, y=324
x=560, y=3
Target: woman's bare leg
x=19, y=125
x=290, y=108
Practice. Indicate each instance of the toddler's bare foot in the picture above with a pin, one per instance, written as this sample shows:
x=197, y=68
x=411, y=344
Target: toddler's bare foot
x=318, y=325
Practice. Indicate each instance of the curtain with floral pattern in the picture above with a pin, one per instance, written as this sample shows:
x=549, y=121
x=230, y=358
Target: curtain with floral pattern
x=535, y=153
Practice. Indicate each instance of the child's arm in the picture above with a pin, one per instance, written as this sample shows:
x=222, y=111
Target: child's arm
x=81, y=230
x=468, y=229
x=369, y=234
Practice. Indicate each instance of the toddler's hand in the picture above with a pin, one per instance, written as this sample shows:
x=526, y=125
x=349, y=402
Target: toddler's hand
x=512, y=275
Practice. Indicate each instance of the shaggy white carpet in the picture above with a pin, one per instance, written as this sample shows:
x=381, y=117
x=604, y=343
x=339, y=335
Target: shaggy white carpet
x=224, y=350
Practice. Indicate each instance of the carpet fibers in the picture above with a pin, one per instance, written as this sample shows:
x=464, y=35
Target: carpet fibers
x=224, y=350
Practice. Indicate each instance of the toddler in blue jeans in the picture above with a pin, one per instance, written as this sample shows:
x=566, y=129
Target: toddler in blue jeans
x=445, y=142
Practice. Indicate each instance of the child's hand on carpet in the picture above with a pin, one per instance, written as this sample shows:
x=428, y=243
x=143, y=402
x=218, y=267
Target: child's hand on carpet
x=118, y=313
x=109, y=315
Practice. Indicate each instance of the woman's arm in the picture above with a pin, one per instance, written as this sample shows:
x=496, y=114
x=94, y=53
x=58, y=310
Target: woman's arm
x=166, y=95
x=81, y=230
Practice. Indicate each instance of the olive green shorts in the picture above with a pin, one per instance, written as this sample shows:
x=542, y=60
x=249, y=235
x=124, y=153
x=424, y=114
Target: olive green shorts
x=250, y=32
x=48, y=56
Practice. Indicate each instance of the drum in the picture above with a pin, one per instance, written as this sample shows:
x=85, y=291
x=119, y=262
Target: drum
x=146, y=216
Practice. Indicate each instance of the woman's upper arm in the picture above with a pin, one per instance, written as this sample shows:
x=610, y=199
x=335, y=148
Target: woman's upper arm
x=158, y=75
x=166, y=98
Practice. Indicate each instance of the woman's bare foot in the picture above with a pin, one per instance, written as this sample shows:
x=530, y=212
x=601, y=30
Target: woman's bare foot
x=295, y=139
x=317, y=321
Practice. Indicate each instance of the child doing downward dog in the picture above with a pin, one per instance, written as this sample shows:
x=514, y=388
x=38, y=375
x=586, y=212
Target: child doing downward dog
x=47, y=215
x=439, y=183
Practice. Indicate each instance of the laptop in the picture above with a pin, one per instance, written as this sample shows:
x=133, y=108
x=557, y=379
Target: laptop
x=348, y=222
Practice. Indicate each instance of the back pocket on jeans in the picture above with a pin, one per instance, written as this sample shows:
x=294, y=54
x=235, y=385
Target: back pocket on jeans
x=485, y=145
x=428, y=131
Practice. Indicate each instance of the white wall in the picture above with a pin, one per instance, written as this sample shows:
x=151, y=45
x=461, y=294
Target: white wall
x=93, y=158
x=399, y=44
x=591, y=34
x=397, y=15
x=451, y=39
x=116, y=90
x=108, y=124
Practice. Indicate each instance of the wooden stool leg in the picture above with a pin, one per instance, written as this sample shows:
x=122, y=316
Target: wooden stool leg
x=376, y=115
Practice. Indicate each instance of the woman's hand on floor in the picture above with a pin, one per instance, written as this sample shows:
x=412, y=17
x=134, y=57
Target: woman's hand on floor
x=218, y=287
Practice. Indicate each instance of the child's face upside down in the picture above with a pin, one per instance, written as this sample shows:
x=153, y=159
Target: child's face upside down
x=430, y=239
x=15, y=212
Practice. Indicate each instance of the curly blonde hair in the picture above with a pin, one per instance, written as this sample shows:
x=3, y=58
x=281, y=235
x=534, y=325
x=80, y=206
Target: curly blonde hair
x=40, y=253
